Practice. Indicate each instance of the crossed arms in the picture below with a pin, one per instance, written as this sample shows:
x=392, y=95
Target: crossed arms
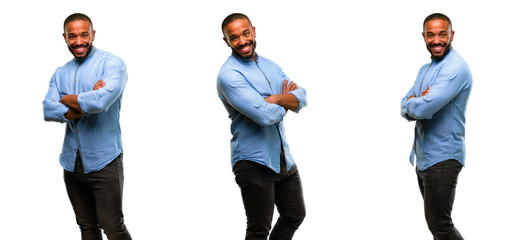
x=285, y=100
x=63, y=108
x=448, y=84
x=264, y=111
x=71, y=101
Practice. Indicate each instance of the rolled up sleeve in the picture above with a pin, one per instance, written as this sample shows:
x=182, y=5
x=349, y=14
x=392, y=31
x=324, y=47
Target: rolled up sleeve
x=239, y=94
x=115, y=77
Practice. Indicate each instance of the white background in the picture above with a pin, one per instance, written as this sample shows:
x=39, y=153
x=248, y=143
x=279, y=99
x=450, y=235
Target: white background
x=356, y=59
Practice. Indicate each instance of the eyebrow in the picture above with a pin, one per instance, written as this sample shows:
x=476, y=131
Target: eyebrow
x=246, y=30
x=80, y=33
x=436, y=33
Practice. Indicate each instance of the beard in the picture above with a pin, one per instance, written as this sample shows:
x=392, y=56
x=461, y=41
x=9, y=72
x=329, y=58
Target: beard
x=250, y=56
x=89, y=47
x=444, y=45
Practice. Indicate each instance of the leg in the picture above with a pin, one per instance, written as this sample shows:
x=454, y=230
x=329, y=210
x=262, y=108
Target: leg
x=290, y=204
x=83, y=201
x=257, y=189
x=438, y=184
x=107, y=186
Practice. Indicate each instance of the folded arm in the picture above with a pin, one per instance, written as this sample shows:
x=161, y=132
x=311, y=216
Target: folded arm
x=286, y=99
x=71, y=101
x=53, y=109
x=240, y=95
x=448, y=84
x=114, y=78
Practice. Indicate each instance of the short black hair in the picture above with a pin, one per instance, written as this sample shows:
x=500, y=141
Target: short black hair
x=436, y=16
x=78, y=16
x=231, y=18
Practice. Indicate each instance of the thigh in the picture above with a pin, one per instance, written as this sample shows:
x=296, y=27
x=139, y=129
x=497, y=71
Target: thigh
x=289, y=197
x=257, y=189
x=107, y=187
x=82, y=198
x=439, y=183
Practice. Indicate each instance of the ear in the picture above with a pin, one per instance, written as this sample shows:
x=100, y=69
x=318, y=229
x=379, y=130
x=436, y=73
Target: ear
x=424, y=36
x=93, y=37
x=254, y=32
x=65, y=38
x=452, y=36
x=227, y=42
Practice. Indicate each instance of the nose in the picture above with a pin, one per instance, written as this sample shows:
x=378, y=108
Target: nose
x=78, y=41
x=243, y=40
x=439, y=40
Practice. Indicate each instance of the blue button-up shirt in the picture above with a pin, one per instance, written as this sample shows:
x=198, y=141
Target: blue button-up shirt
x=257, y=126
x=440, y=115
x=96, y=135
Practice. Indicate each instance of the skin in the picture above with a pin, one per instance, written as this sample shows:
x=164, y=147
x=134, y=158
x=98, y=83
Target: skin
x=438, y=37
x=71, y=101
x=240, y=37
x=79, y=38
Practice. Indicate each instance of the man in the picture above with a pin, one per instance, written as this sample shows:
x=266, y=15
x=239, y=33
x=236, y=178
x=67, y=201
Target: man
x=437, y=101
x=257, y=95
x=86, y=94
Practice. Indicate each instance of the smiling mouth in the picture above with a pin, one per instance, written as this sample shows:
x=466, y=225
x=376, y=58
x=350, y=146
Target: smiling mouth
x=80, y=49
x=245, y=49
x=438, y=48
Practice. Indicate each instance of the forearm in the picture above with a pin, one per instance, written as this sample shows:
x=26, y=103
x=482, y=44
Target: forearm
x=404, y=108
x=107, y=90
x=71, y=101
x=287, y=101
x=72, y=114
x=265, y=114
x=54, y=111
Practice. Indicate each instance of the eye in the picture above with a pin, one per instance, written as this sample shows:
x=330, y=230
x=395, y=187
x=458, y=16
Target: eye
x=72, y=37
x=85, y=35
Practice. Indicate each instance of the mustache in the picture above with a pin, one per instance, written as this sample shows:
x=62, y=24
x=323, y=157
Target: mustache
x=241, y=46
x=85, y=45
x=439, y=45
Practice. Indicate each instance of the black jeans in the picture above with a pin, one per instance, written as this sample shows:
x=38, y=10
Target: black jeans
x=437, y=185
x=97, y=200
x=261, y=190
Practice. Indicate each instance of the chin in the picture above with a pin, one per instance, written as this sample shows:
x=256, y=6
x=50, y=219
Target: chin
x=246, y=56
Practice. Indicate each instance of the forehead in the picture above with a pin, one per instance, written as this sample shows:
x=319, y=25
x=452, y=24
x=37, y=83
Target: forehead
x=77, y=26
x=436, y=25
x=238, y=25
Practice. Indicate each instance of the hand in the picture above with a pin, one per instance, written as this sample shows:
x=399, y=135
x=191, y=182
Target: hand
x=71, y=101
x=99, y=84
x=272, y=98
x=68, y=99
x=425, y=92
x=286, y=88
x=72, y=114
